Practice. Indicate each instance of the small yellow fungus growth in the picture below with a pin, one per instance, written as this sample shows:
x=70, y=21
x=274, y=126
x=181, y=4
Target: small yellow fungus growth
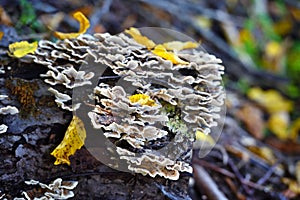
x=20, y=49
x=84, y=25
x=177, y=45
x=143, y=40
x=161, y=51
x=73, y=140
x=142, y=99
x=204, y=137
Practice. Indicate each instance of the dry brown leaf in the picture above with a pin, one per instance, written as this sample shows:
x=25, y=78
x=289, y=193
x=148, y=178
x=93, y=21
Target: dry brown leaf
x=253, y=119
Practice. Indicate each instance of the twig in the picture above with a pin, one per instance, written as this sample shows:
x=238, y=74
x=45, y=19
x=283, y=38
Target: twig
x=98, y=14
x=267, y=175
x=207, y=185
x=214, y=167
x=227, y=173
x=239, y=177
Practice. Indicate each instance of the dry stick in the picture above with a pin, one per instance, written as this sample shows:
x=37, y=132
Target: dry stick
x=239, y=177
x=267, y=175
x=206, y=184
x=226, y=173
x=214, y=167
x=229, y=174
x=98, y=14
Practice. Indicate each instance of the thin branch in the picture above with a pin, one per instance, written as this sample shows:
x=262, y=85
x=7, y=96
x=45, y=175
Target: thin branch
x=207, y=185
x=98, y=14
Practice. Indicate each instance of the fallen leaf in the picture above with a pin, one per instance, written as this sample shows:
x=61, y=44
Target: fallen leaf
x=270, y=99
x=286, y=146
x=143, y=40
x=84, y=25
x=294, y=187
x=203, y=21
x=264, y=152
x=4, y=18
x=283, y=27
x=273, y=49
x=253, y=119
x=177, y=45
x=295, y=129
x=73, y=140
x=278, y=123
x=161, y=51
x=1, y=35
x=20, y=49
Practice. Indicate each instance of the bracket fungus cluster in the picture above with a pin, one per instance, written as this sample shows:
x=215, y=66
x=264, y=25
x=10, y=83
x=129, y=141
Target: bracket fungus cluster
x=58, y=189
x=149, y=99
x=6, y=110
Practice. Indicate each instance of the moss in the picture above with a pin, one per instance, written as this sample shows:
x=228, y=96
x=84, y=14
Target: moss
x=176, y=125
x=24, y=91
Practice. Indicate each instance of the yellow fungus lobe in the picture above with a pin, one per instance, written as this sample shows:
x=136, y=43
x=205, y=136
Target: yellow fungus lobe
x=142, y=99
x=73, y=140
x=20, y=49
x=84, y=25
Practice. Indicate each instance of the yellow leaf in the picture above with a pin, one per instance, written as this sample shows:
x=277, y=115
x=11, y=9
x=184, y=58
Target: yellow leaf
x=245, y=36
x=20, y=49
x=284, y=26
x=161, y=51
x=273, y=49
x=278, y=123
x=293, y=185
x=84, y=25
x=73, y=140
x=177, y=45
x=295, y=129
x=143, y=40
x=203, y=21
x=264, y=153
x=204, y=138
x=142, y=99
x=270, y=99
x=1, y=35
x=295, y=12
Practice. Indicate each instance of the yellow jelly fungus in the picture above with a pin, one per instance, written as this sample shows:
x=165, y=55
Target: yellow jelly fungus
x=177, y=45
x=142, y=99
x=20, y=49
x=143, y=40
x=161, y=51
x=73, y=140
x=204, y=137
x=84, y=25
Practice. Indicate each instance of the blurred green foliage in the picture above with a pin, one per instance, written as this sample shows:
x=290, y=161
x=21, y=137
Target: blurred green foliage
x=28, y=17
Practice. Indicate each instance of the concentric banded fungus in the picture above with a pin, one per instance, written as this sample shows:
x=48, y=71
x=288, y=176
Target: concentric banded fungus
x=58, y=189
x=153, y=134
x=12, y=110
